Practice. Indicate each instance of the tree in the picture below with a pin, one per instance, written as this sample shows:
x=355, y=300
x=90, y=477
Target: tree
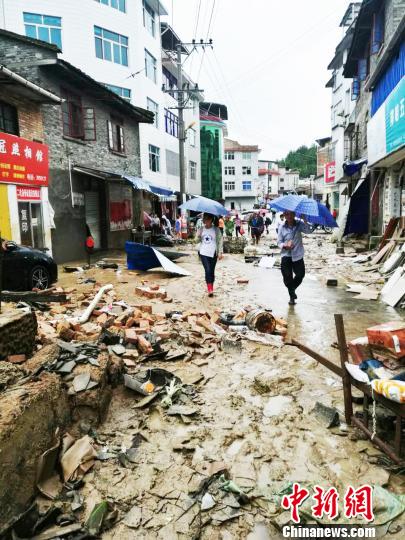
x=303, y=159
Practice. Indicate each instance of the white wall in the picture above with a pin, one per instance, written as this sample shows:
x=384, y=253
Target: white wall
x=78, y=20
x=249, y=197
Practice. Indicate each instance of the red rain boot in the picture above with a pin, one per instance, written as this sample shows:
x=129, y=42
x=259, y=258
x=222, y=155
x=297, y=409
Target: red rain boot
x=210, y=288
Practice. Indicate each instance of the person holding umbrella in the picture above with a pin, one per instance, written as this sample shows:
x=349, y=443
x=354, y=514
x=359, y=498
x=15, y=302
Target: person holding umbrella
x=210, y=250
x=289, y=241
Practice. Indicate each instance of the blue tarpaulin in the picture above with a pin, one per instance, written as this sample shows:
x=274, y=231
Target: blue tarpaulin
x=352, y=167
x=357, y=219
x=162, y=191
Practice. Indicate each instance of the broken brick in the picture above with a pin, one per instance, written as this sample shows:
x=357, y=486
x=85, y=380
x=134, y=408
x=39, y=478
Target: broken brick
x=102, y=319
x=144, y=346
x=143, y=308
x=16, y=358
x=131, y=335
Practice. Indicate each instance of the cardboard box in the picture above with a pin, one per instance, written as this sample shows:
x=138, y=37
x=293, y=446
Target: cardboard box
x=390, y=336
x=359, y=349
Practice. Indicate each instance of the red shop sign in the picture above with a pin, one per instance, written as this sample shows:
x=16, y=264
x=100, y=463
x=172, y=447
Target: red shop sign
x=28, y=194
x=330, y=172
x=23, y=162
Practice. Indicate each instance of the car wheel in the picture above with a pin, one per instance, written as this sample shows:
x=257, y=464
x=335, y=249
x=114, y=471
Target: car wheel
x=39, y=278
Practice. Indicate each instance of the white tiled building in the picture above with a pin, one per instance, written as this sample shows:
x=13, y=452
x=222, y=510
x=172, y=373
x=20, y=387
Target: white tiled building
x=240, y=175
x=118, y=43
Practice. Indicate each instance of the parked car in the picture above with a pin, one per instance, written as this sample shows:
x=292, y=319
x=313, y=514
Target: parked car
x=26, y=268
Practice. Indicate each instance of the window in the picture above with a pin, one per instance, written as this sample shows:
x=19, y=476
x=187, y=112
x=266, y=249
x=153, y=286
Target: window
x=246, y=185
x=246, y=155
x=169, y=81
x=78, y=122
x=111, y=46
x=378, y=31
x=230, y=186
x=355, y=89
x=171, y=123
x=123, y=92
x=246, y=170
x=116, y=135
x=116, y=4
x=150, y=66
x=153, y=107
x=230, y=171
x=44, y=27
x=193, y=170
x=172, y=163
x=154, y=158
x=191, y=134
x=8, y=119
x=149, y=19
x=229, y=155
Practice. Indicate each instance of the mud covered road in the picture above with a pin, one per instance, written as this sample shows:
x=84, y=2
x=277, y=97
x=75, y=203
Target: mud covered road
x=254, y=415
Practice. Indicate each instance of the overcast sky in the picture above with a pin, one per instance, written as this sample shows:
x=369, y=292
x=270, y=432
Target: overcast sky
x=269, y=65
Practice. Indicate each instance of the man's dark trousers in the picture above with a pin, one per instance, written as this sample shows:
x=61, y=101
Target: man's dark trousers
x=293, y=273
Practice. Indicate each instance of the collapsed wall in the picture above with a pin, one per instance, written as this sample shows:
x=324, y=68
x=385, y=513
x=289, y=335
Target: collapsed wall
x=18, y=331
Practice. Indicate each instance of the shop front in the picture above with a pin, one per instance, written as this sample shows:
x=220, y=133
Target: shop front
x=25, y=212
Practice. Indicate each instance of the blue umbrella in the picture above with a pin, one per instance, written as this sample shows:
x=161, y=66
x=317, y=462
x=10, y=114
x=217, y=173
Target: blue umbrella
x=315, y=212
x=300, y=204
x=325, y=218
x=202, y=204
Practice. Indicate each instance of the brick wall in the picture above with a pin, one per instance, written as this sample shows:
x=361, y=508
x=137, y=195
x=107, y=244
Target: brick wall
x=29, y=116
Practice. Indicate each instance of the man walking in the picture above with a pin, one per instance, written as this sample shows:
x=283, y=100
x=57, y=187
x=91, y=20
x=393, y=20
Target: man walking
x=292, y=252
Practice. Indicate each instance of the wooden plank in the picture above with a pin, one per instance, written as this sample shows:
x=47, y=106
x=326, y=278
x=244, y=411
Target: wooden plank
x=389, y=231
x=380, y=255
x=376, y=440
x=347, y=387
x=28, y=296
x=321, y=359
x=398, y=435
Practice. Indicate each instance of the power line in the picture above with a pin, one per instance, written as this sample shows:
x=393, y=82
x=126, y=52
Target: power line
x=208, y=31
x=286, y=49
x=197, y=19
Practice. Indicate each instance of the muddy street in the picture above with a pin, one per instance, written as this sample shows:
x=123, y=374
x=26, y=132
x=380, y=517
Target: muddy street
x=245, y=410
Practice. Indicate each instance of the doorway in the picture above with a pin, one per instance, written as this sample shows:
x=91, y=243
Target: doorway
x=31, y=224
x=92, y=209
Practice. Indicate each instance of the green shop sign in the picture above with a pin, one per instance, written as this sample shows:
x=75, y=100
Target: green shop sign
x=395, y=118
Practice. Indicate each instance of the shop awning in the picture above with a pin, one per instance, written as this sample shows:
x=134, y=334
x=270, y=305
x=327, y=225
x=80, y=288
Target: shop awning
x=138, y=183
x=352, y=167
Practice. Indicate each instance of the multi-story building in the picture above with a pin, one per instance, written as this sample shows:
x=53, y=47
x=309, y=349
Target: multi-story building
x=241, y=182
x=94, y=157
x=375, y=133
x=213, y=131
x=334, y=149
x=269, y=174
x=119, y=43
x=25, y=215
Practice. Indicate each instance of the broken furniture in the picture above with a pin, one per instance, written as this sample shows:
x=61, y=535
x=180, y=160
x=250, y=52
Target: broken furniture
x=398, y=409
x=142, y=237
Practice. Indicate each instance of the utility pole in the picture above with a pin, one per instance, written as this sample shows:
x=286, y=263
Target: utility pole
x=182, y=134
x=182, y=95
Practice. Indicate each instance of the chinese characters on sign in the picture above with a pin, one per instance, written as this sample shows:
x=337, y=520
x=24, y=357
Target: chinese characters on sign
x=28, y=194
x=357, y=502
x=22, y=161
x=330, y=171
